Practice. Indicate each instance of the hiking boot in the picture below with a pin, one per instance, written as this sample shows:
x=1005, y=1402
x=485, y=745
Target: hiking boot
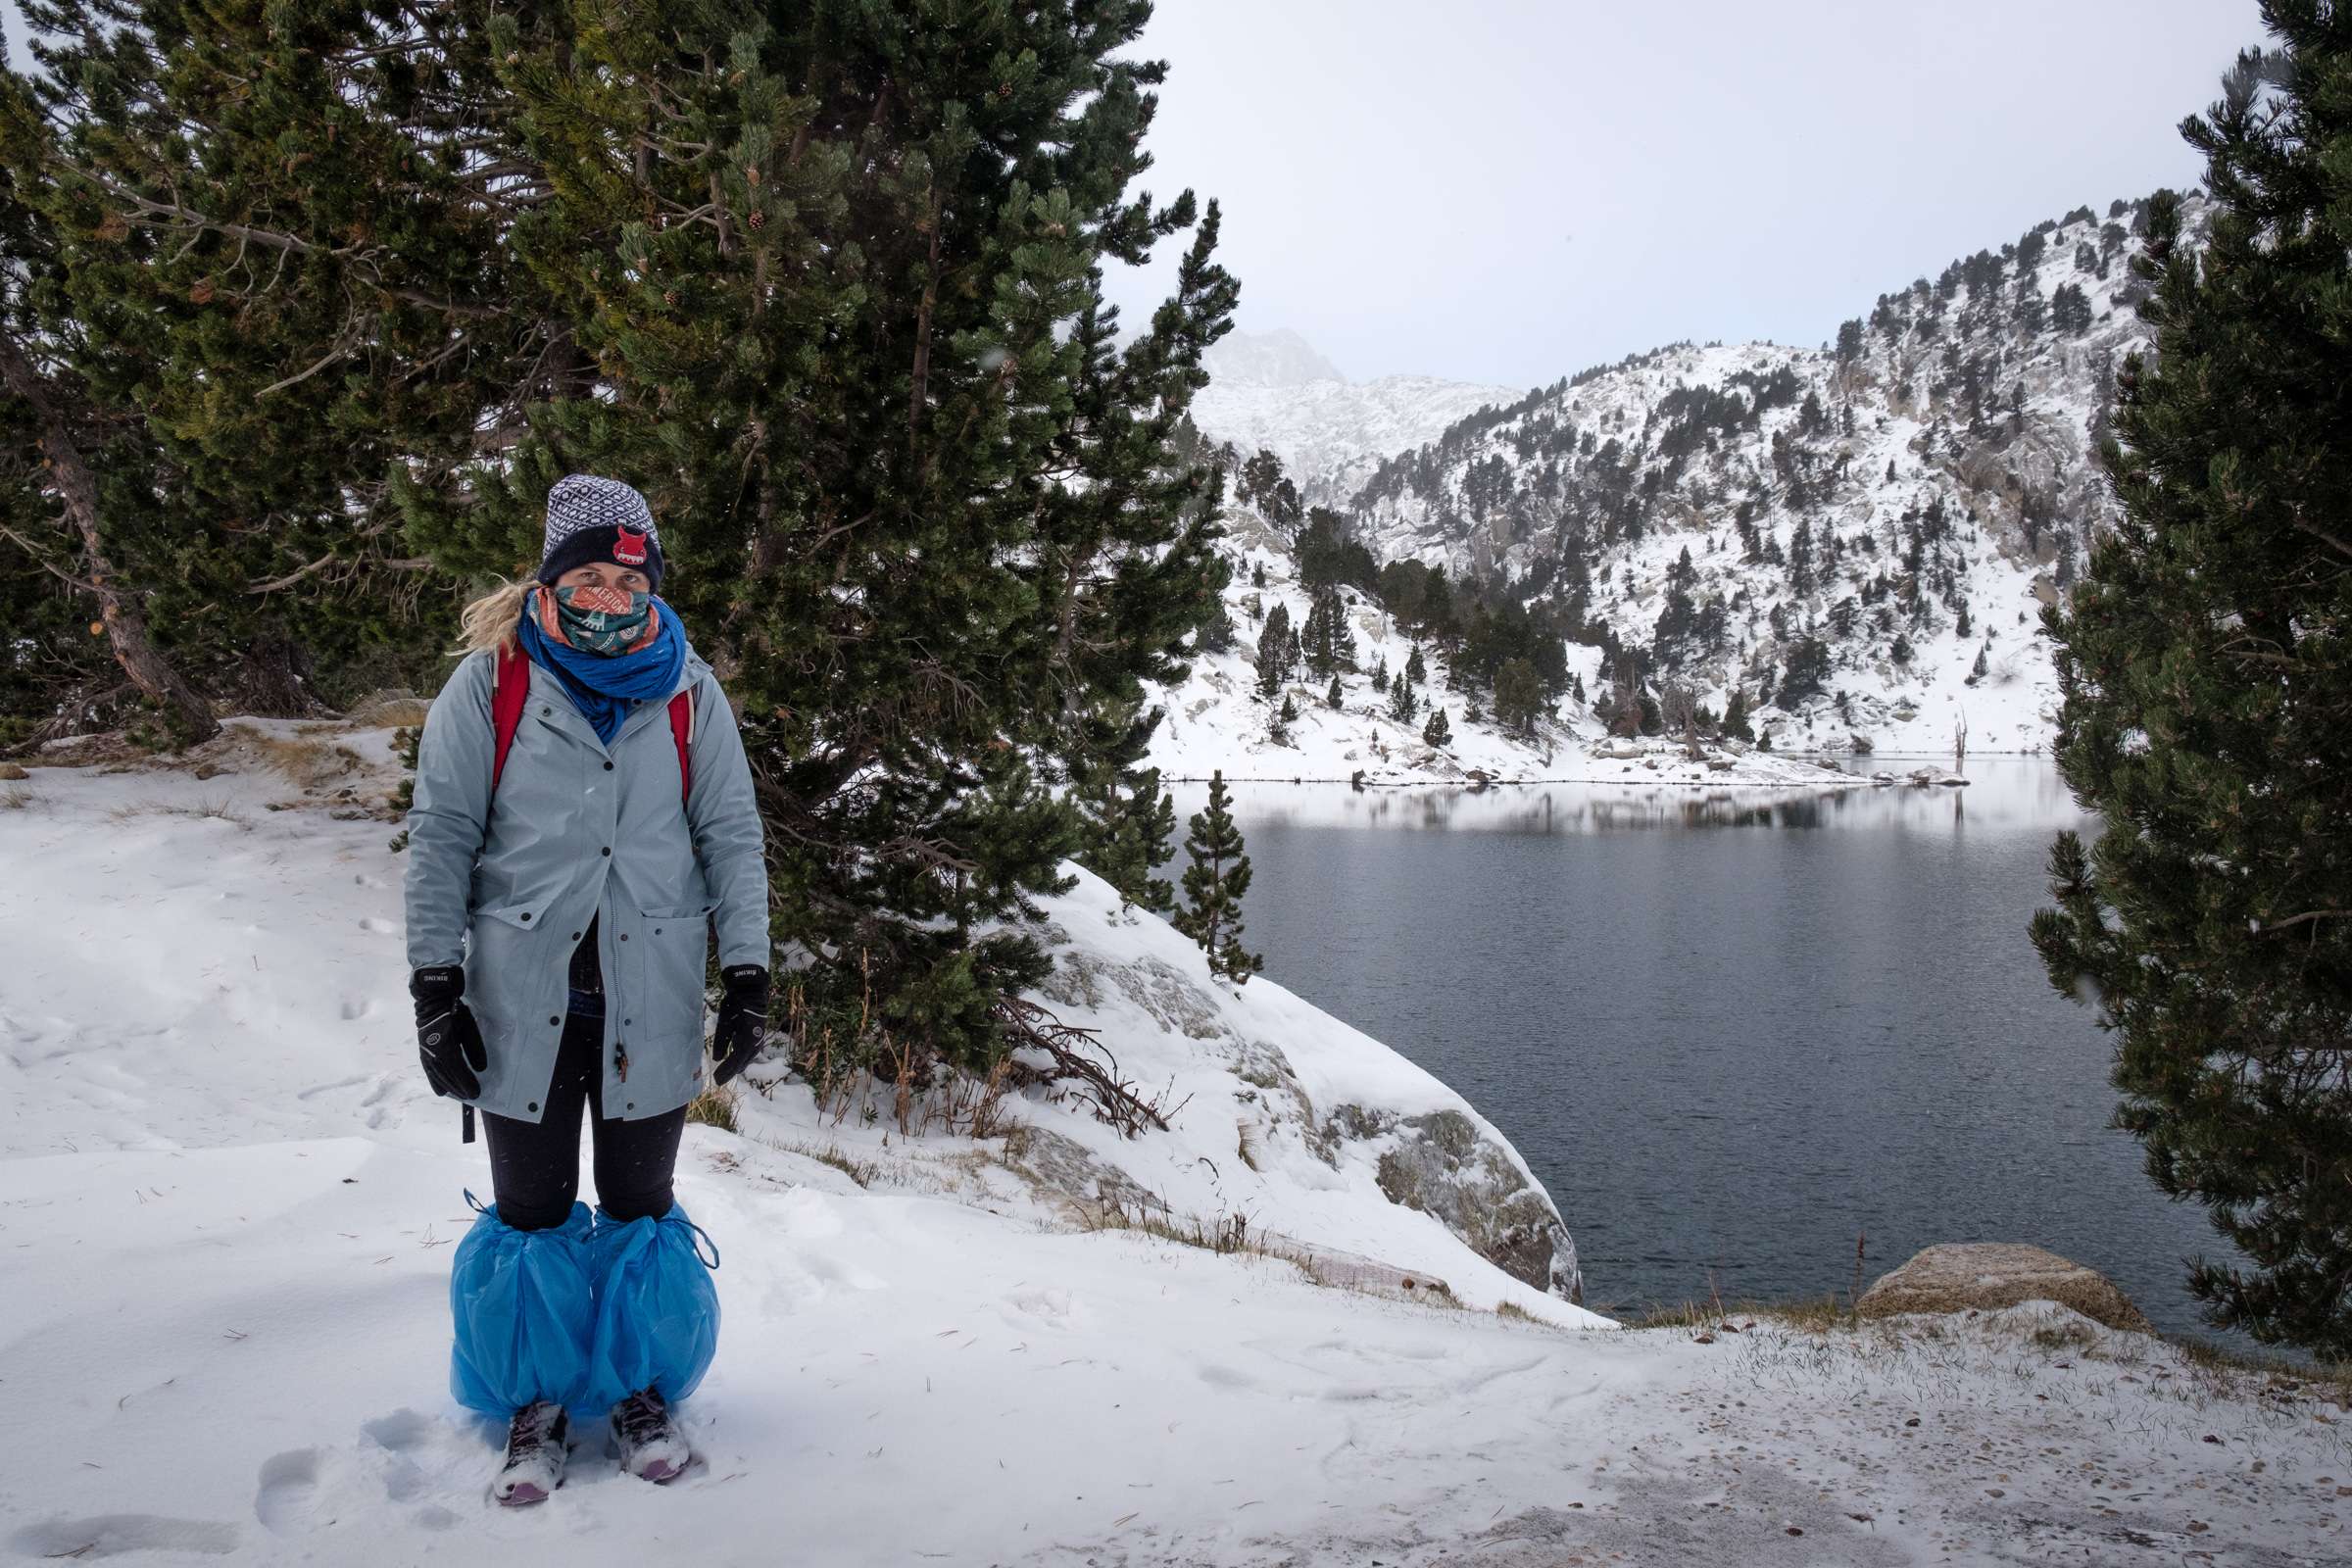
x=536, y=1448
x=647, y=1438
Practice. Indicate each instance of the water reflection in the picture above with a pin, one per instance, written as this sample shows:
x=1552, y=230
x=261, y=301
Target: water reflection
x=2002, y=791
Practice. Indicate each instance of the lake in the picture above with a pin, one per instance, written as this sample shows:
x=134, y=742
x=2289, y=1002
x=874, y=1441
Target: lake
x=1732, y=1033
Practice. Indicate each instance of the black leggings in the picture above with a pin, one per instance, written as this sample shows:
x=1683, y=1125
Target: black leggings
x=535, y=1167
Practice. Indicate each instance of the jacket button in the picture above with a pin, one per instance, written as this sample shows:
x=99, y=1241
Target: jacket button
x=627, y=1021
x=657, y=930
x=624, y=936
x=533, y=1106
x=526, y=915
x=632, y=1105
x=557, y=1020
x=606, y=849
x=575, y=936
x=545, y=711
x=608, y=767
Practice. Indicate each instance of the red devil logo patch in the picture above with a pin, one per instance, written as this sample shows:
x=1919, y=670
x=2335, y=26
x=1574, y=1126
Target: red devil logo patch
x=629, y=548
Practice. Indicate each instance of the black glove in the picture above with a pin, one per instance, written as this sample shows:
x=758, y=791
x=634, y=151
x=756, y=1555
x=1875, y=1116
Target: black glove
x=741, y=1019
x=448, y=1041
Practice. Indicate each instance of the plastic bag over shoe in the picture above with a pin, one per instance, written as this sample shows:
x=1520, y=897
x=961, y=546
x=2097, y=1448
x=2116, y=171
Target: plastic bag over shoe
x=657, y=1308
x=525, y=1313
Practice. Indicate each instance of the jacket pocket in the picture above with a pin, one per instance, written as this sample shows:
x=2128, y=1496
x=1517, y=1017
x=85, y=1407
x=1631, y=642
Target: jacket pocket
x=503, y=949
x=668, y=1006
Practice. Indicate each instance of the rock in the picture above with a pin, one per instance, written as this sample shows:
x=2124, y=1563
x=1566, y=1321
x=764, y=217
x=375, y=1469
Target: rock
x=13, y=770
x=1988, y=1275
x=1443, y=1164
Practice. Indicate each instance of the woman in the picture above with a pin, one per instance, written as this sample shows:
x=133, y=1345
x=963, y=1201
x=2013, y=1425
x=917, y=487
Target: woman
x=582, y=807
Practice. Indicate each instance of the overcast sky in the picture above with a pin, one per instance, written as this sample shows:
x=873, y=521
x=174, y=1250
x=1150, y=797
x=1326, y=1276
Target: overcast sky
x=1504, y=191
x=1510, y=190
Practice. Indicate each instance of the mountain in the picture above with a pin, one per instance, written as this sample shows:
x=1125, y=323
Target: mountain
x=1272, y=390
x=1861, y=534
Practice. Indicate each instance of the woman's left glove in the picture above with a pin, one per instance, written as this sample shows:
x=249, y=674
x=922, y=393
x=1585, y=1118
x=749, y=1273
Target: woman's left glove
x=741, y=1019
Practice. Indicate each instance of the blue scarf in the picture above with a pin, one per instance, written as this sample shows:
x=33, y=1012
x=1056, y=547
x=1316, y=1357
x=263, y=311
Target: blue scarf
x=604, y=687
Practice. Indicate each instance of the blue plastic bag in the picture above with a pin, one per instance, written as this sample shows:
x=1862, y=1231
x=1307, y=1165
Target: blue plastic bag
x=657, y=1309
x=524, y=1312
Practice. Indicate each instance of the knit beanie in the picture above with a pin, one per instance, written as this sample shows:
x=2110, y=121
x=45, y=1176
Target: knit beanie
x=589, y=518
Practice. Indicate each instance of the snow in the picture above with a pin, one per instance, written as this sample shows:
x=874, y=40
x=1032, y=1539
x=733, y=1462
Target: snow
x=227, y=1203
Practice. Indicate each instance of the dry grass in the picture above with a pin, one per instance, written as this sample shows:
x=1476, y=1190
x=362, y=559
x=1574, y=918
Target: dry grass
x=222, y=807
x=309, y=760
x=2328, y=1380
x=1225, y=1234
x=865, y=1172
x=16, y=798
x=1817, y=1315
x=714, y=1107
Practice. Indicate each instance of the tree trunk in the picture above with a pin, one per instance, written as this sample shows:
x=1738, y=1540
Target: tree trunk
x=124, y=623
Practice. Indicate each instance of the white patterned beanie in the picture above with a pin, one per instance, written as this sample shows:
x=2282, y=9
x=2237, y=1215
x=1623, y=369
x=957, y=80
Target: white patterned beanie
x=589, y=518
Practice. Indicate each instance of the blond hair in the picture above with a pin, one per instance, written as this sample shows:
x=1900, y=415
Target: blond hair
x=487, y=624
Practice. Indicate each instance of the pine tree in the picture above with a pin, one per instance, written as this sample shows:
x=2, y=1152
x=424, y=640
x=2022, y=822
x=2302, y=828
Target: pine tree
x=1128, y=819
x=825, y=283
x=767, y=229
x=225, y=313
x=2205, y=681
x=1215, y=885
x=1403, y=703
x=1274, y=651
x=1379, y=676
x=2070, y=310
x=1437, y=732
x=1416, y=673
x=1735, y=715
x=1518, y=696
x=1976, y=672
x=1331, y=698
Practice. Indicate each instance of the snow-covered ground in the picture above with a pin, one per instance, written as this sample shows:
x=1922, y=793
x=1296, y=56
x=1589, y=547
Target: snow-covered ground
x=226, y=1202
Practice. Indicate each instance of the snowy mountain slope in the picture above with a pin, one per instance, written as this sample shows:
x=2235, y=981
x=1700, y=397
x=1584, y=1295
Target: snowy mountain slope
x=1871, y=515
x=1273, y=391
x=226, y=1203
x=1215, y=720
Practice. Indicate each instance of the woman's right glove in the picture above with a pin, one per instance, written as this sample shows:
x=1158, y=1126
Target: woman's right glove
x=448, y=1041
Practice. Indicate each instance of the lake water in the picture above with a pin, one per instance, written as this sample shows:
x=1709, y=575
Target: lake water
x=1732, y=1034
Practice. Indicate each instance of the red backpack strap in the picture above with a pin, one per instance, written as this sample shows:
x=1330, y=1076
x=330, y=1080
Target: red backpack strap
x=509, y=689
x=681, y=730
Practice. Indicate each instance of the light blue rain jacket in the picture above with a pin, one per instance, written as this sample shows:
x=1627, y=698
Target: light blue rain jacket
x=506, y=886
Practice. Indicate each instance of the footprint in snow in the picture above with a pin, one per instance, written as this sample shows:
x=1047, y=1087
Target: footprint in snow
x=110, y=1534
x=288, y=1497
x=383, y=928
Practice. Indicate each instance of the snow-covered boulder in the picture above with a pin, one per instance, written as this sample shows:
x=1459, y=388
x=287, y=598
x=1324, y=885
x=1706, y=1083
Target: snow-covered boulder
x=1988, y=1275
x=1282, y=1113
